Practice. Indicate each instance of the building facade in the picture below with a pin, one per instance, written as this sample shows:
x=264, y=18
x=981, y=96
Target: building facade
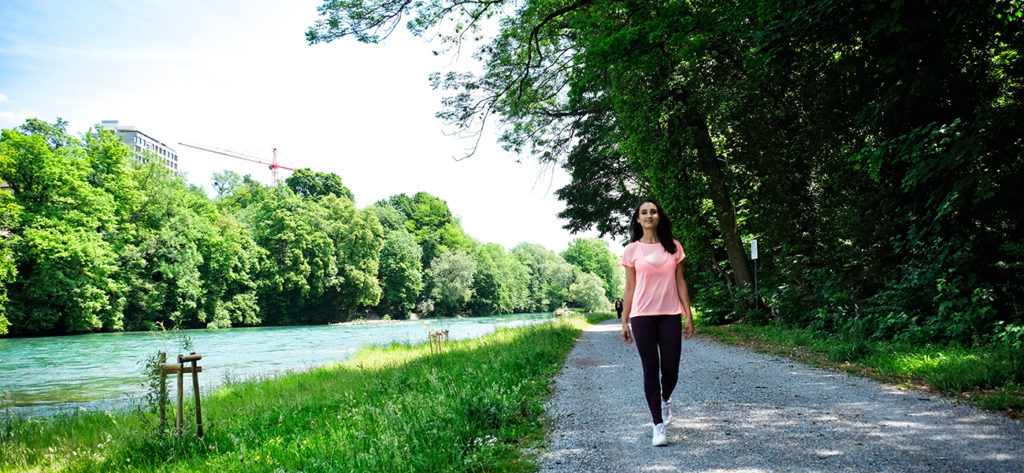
x=141, y=143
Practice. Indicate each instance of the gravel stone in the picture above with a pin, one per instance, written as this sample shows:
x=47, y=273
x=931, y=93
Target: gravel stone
x=735, y=410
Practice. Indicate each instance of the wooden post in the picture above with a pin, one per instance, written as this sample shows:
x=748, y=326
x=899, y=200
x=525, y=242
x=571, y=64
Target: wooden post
x=435, y=339
x=180, y=369
x=162, y=395
x=195, y=387
x=178, y=419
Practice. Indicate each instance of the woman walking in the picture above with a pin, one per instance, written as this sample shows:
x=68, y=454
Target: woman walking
x=654, y=302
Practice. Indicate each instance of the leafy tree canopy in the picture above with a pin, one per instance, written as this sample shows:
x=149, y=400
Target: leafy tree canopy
x=401, y=273
x=309, y=183
x=592, y=255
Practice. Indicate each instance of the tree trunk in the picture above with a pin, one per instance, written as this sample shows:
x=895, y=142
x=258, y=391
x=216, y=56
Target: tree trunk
x=724, y=211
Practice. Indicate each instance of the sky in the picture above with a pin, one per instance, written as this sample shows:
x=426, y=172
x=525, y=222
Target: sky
x=240, y=76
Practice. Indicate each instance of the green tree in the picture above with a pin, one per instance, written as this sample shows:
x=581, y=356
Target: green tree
x=588, y=293
x=64, y=266
x=181, y=262
x=558, y=276
x=532, y=257
x=401, y=273
x=297, y=258
x=319, y=256
x=390, y=218
x=225, y=182
x=548, y=276
x=230, y=264
x=500, y=284
x=592, y=255
x=161, y=262
x=486, y=289
x=111, y=244
x=451, y=275
x=308, y=183
x=10, y=213
x=357, y=237
x=516, y=278
x=431, y=222
x=925, y=92
x=238, y=196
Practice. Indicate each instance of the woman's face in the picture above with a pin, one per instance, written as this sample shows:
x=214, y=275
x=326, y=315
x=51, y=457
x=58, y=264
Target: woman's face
x=648, y=216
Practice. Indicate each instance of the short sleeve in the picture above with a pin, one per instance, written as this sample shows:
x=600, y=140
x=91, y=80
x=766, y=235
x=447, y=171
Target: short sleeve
x=679, y=254
x=629, y=256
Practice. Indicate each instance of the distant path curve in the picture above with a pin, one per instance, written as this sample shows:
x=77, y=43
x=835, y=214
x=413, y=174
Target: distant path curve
x=739, y=411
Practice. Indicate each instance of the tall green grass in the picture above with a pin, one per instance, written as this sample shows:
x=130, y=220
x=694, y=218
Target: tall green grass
x=475, y=407
x=991, y=377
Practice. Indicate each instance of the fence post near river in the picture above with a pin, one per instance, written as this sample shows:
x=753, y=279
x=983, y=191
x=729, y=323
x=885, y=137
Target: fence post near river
x=435, y=339
x=180, y=369
x=163, y=392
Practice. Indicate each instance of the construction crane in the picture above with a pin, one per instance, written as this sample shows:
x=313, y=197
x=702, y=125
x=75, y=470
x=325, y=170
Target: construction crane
x=272, y=165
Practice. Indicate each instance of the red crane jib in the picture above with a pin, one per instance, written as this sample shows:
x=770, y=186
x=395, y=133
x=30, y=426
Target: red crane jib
x=239, y=156
x=272, y=165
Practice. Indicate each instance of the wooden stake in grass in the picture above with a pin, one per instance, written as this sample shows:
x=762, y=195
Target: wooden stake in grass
x=163, y=392
x=195, y=388
x=178, y=413
x=194, y=358
x=435, y=339
x=181, y=369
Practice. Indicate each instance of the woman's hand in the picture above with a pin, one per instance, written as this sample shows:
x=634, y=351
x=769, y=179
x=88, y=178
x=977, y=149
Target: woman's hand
x=627, y=336
x=688, y=328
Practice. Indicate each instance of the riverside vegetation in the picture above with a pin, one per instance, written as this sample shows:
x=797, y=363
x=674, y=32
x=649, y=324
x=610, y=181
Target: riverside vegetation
x=92, y=240
x=990, y=377
x=478, y=406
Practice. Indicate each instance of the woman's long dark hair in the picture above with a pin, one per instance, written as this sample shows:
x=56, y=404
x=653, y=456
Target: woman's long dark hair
x=664, y=227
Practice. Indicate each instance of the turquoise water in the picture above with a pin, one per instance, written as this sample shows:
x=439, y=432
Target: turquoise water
x=43, y=376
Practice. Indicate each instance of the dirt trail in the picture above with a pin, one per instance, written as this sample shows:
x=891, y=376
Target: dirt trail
x=739, y=411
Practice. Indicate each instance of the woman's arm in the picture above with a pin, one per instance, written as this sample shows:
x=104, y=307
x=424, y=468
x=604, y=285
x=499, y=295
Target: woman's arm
x=627, y=303
x=684, y=299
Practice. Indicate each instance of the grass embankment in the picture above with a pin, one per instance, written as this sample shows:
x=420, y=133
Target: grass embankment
x=476, y=407
x=988, y=377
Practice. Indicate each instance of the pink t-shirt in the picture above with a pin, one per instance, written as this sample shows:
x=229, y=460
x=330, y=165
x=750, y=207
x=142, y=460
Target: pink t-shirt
x=656, y=292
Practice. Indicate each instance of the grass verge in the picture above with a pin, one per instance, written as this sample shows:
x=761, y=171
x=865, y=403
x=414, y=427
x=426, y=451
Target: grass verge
x=475, y=407
x=990, y=378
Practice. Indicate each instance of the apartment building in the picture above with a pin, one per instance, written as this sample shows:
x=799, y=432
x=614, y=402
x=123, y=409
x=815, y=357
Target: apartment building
x=141, y=142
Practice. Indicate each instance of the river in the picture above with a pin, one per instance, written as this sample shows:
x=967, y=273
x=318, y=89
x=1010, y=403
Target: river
x=47, y=375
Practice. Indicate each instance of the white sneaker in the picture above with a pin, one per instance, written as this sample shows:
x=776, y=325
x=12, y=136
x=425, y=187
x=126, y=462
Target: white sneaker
x=666, y=411
x=659, y=439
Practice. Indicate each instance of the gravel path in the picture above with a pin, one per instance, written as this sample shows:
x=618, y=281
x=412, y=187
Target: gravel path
x=738, y=411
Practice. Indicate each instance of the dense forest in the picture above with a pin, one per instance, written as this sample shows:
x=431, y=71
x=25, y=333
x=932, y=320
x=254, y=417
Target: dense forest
x=873, y=148
x=94, y=240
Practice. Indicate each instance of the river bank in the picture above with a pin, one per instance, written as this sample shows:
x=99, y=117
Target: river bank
x=46, y=375
x=399, y=408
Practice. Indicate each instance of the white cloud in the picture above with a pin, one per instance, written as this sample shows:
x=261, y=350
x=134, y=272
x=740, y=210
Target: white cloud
x=10, y=119
x=3, y=98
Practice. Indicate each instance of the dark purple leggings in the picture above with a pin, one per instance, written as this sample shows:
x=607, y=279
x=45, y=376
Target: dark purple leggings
x=653, y=334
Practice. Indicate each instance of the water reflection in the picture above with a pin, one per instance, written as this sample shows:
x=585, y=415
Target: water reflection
x=42, y=376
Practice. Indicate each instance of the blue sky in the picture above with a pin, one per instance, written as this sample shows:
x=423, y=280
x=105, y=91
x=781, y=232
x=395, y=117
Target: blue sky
x=240, y=76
